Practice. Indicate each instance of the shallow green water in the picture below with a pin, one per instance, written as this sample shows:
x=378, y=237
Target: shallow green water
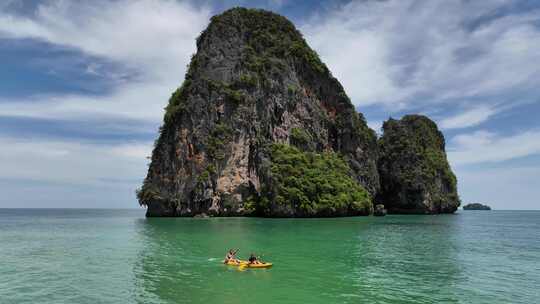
x=118, y=256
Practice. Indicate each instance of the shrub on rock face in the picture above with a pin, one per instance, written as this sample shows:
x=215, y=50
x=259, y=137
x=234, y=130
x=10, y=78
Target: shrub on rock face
x=415, y=174
x=217, y=139
x=311, y=184
x=147, y=193
x=301, y=139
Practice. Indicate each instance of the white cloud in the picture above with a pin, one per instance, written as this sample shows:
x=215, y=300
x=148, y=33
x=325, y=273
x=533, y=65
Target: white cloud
x=483, y=146
x=153, y=38
x=72, y=162
x=471, y=117
x=491, y=180
x=405, y=53
x=375, y=125
x=501, y=188
x=135, y=150
x=139, y=101
x=156, y=36
x=92, y=69
x=41, y=173
x=32, y=194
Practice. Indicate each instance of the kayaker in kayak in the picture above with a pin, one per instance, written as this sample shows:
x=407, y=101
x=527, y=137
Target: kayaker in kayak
x=231, y=256
x=253, y=259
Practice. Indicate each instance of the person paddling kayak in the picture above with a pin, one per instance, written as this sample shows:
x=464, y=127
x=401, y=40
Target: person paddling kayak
x=253, y=259
x=231, y=256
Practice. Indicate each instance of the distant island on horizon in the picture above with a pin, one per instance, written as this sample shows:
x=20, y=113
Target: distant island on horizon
x=476, y=206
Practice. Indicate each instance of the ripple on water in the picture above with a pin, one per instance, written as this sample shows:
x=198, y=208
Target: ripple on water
x=100, y=257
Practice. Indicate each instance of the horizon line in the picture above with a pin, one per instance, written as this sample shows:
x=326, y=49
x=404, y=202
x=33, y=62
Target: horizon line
x=144, y=208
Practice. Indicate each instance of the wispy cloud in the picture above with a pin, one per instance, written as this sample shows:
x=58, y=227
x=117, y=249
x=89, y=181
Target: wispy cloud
x=511, y=188
x=470, y=117
x=444, y=53
x=483, y=146
x=152, y=38
x=73, y=162
x=138, y=101
x=155, y=36
x=71, y=173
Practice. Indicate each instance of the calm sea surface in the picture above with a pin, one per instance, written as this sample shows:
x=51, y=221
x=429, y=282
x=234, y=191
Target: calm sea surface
x=118, y=256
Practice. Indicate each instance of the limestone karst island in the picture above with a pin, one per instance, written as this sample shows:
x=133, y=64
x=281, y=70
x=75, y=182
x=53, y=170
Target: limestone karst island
x=260, y=127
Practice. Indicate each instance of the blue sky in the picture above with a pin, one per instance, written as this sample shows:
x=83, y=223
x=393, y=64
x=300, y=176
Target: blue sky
x=83, y=87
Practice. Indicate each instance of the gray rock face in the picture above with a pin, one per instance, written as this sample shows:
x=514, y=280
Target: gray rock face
x=415, y=174
x=253, y=82
x=379, y=210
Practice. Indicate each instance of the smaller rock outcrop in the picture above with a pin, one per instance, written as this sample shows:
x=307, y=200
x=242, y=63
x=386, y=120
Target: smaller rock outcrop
x=379, y=210
x=476, y=206
x=415, y=174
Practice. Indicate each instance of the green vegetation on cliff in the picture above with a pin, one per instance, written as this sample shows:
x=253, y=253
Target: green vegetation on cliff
x=147, y=193
x=413, y=167
x=314, y=183
x=219, y=136
x=177, y=102
x=421, y=144
x=269, y=39
x=301, y=139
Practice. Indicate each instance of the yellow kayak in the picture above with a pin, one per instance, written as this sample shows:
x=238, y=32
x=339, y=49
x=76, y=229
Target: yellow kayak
x=248, y=265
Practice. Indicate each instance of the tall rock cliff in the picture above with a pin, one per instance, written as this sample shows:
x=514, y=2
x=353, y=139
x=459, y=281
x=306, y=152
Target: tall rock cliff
x=415, y=174
x=260, y=126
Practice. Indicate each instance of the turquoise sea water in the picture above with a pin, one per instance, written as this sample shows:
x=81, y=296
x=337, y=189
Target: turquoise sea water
x=118, y=256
